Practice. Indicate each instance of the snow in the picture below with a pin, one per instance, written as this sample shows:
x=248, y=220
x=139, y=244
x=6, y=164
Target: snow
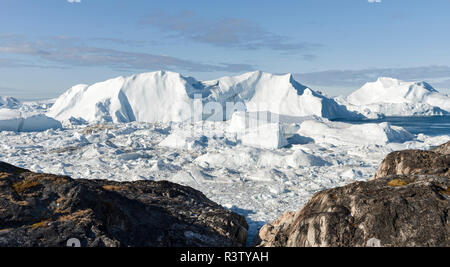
x=338, y=133
x=38, y=122
x=158, y=96
x=392, y=97
x=265, y=136
x=258, y=129
x=9, y=102
x=15, y=120
x=10, y=120
x=165, y=96
x=184, y=140
x=279, y=94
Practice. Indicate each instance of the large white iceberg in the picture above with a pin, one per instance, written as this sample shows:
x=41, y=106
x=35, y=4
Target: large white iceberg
x=14, y=120
x=169, y=97
x=392, y=97
x=338, y=133
x=279, y=94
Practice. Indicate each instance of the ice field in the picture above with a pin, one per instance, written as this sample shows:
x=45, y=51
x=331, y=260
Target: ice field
x=260, y=162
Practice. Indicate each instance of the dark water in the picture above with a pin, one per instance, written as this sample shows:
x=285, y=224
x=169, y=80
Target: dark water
x=433, y=126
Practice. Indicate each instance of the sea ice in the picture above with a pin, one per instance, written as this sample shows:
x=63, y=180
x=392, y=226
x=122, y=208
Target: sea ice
x=338, y=133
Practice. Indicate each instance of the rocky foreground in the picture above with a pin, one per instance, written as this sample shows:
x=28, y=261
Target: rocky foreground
x=48, y=210
x=410, y=162
x=406, y=204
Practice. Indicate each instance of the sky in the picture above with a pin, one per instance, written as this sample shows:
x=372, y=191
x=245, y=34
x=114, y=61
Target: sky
x=334, y=46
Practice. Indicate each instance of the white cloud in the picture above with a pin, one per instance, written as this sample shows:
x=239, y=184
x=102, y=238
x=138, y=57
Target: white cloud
x=374, y=1
x=74, y=1
x=224, y=32
x=75, y=53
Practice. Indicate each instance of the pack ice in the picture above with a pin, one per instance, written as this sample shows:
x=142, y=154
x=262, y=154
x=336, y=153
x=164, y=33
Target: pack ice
x=165, y=96
x=392, y=97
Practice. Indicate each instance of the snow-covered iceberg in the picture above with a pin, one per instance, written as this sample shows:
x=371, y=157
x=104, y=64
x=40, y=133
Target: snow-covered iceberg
x=14, y=120
x=261, y=129
x=269, y=136
x=164, y=96
x=392, y=97
x=150, y=97
x=279, y=94
x=338, y=133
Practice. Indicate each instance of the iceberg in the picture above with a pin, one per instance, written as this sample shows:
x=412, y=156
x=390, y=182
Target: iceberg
x=14, y=120
x=338, y=133
x=165, y=96
x=392, y=97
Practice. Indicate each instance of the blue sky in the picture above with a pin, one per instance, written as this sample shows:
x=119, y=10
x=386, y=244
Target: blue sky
x=47, y=46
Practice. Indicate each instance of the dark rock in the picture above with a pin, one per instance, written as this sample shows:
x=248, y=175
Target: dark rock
x=416, y=162
x=48, y=210
x=397, y=211
x=406, y=205
x=443, y=149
